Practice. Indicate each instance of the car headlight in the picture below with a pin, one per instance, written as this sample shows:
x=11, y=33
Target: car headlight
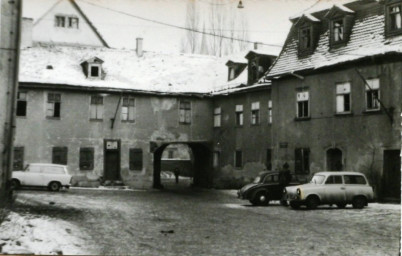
x=284, y=190
x=298, y=192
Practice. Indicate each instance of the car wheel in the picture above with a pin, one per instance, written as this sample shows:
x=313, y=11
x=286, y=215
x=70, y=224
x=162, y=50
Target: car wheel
x=359, y=202
x=54, y=186
x=260, y=198
x=312, y=202
x=341, y=205
x=14, y=184
x=294, y=205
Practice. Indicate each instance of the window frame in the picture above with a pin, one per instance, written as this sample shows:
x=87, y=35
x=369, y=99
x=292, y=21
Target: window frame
x=304, y=161
x=269, y=111
x=91, y=160
x=369, y=90
x=53, y=105
x=239, y=115
x=94, y=103
x=63, y=151
x=94, y=65
x=255, y=113
x=20, y=163
x=22, y=104
x=136, y=159
x=344, y=96
x=304, y=102
x=388, y=30
x=238, y=159
x=127, y=109
x=185, y=112
x=217, y=117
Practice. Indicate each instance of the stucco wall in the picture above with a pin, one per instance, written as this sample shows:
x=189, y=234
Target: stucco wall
x=156, y=119
x=361, y=136
x=252, y=140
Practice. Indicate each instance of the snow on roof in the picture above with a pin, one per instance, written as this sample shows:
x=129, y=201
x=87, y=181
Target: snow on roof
x=273, y=51
x=154, y=72
x=367, y=38
x=240, y=80
x=324, y=5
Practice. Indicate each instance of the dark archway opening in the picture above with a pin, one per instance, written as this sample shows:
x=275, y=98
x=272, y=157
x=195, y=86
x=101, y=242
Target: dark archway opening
x=201, y=164
x=334, y=159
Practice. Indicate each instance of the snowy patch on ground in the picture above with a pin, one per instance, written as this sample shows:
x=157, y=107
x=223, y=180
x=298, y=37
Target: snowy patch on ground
x=39, y=235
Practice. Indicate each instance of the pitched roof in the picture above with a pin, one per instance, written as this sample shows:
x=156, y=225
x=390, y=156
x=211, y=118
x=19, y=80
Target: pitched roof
x=367, y=38
x=154, y=72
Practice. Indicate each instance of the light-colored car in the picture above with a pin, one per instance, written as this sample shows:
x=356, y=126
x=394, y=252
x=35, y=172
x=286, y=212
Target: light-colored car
x=340, y=188
x=52, y=176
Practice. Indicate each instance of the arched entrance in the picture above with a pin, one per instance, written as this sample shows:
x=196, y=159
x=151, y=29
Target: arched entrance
x=334, y=159
x=201, y=159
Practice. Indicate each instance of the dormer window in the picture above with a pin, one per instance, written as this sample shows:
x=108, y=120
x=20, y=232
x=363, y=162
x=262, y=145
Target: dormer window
x=66, y=21
x=394, y=18
x=340, y=25
x=93, y=68
x=308, y=31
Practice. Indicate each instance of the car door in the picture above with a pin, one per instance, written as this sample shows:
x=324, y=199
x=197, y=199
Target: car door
x=32, y=176
x=334, y=190
x=355, y=185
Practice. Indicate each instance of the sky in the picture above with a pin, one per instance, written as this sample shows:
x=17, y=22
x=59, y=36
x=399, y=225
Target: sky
x=120, y=23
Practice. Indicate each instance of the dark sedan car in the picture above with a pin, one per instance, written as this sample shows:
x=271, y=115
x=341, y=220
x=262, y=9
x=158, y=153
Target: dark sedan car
x=266, y=187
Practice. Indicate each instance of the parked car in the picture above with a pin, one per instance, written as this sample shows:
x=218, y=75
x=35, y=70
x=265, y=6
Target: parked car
x=340, y=188
x=52, y=176
x=266, y=187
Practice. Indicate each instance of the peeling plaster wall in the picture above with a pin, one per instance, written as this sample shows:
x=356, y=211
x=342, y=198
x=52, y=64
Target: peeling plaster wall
x=362, y=137
x=156, y=119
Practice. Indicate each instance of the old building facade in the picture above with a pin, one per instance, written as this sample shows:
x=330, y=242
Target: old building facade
x=336, y=89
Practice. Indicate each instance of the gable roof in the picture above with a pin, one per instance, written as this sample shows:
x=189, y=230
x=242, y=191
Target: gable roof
x=124, y=70
x=80, y=11
x=367, y=39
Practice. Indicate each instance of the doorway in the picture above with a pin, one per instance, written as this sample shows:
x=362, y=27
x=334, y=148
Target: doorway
x=112, y=160
x=392, y=174
x=334, y=159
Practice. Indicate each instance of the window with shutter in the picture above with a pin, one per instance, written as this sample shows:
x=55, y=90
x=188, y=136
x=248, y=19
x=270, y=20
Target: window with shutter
x=59, y=155
x=86, y=158
x=136, y=156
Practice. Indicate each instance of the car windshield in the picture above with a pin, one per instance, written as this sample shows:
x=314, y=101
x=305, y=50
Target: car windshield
x=317, y=179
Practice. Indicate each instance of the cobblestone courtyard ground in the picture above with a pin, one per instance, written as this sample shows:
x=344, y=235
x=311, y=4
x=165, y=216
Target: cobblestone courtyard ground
x=209, y=222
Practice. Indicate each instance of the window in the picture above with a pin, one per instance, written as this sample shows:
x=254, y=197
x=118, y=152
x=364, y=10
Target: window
x=303, y=104
x=217, y=117
x=60, y=21
x=21, y=104
x=302, y=161
x=63, y=21
x=270, y=111
x=136, y=159
x=338, y=31
x=86, y=159
x=59, y=155
x=334, y=179
x=394, y=19
x=128, y=109
x=305, y=38
x=354, y=179
x=255, y=113
x=269, y=159
x=372, y=94
x=231, y=73
x=73, y=22
x=239, y=115
x=94, y=70
x=216, y=159
x=185, y=112
x=53, y=105
x=238, y=159
x=171, y=153
x=18, y=162
x=96, y=108
x=343, y=104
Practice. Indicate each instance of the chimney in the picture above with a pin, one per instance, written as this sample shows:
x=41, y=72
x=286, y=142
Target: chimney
x=26, y=32
x=255, y=45
x=139, y=46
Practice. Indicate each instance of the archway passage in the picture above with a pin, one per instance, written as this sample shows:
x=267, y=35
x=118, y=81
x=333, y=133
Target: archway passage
x=334, y=159
x=202, y=163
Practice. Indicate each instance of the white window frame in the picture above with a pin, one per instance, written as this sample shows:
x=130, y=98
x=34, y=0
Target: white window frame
x=185, y=112
x=128, y=109
x=239, y=115
x=99, y=66
x=270, y=111
x=96, y=108
x=373, y=86
x=303, y=97
x=217, y=117
x=51, y=105
x=255, y=113
x=343, y=93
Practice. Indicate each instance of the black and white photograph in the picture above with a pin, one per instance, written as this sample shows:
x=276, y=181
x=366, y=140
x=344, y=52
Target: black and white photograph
x=200, y=127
